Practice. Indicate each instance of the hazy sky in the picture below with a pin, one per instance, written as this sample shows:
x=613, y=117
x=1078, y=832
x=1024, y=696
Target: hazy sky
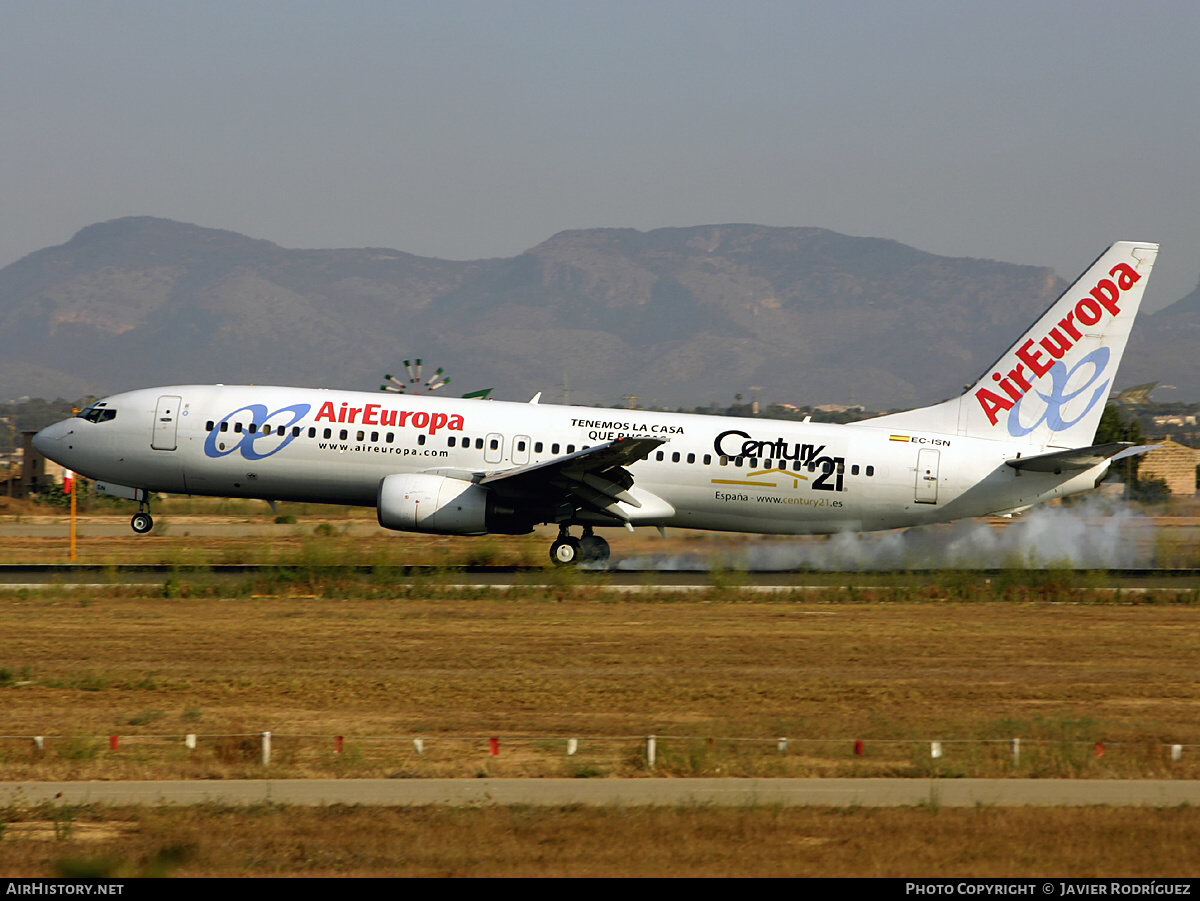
x=1030, y=132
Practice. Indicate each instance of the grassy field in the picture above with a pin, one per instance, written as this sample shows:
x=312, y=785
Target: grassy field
x=250, y=532
x=718, y=676
x=310, y=653
x=346, y=841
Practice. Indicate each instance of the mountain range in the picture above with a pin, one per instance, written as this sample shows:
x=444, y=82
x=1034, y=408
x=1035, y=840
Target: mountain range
x=676, y=316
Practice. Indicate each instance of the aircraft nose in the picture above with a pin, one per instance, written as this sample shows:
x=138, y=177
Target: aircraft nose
x=49, y=439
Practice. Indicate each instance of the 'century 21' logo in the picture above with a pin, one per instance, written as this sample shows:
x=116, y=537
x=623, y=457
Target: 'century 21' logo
x=222, y=443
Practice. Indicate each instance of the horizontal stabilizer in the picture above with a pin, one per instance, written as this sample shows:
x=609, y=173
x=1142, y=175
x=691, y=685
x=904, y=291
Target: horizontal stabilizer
x=1078, y=457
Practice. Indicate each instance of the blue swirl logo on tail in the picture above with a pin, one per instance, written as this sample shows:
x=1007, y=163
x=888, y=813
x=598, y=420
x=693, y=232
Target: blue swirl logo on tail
x=1059, y=397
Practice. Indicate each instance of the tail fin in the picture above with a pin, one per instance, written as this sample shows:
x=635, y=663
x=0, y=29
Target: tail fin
x=1049, y=388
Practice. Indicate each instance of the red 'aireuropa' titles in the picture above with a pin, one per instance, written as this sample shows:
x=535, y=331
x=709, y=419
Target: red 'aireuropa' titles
x=375, y=414
x=1060, y=339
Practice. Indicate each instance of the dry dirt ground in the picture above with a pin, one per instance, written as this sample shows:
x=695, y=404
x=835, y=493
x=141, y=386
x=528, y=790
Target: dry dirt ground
x=718, y=675
x=540, y=666
x=1033, y=844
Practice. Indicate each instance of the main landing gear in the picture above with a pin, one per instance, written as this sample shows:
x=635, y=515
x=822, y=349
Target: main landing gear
x=589, y=548
x=142, y=521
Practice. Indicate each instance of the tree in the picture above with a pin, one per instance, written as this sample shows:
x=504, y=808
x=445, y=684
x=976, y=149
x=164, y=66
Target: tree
x=1152, y=490
x=1114, y=427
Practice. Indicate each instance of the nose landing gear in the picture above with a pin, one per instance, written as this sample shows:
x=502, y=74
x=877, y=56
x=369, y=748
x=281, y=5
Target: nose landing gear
x=142, y=521
x=568, y=551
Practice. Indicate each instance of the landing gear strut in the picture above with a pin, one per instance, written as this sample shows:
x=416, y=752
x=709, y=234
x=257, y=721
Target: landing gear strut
x=142, y=521
x=567, y=551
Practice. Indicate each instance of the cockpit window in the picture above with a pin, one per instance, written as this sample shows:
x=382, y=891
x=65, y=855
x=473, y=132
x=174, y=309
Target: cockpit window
x=98, y=412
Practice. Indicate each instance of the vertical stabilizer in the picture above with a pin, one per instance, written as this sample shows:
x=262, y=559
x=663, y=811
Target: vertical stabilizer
x=1050, y=387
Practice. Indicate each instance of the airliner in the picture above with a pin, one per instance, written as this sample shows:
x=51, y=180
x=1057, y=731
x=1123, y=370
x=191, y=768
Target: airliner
x=1022, y=434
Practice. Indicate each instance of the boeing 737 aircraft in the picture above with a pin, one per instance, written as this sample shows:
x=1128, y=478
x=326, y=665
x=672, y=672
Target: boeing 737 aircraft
x=1023, y=433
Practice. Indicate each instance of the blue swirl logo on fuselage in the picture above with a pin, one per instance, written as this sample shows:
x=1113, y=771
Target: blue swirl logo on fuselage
x=1059, y=397
x=249, y=443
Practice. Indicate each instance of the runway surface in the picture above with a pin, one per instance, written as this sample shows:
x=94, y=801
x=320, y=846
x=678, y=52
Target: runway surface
x=35, y=575
x=621, y=792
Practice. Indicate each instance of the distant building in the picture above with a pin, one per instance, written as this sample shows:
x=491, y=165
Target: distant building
x=36, y=472
x=10, y=475
x=1174, y=463
x=839, y=408
x=1175, y=419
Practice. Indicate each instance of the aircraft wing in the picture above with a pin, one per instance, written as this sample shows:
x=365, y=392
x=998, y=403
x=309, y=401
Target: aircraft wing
x=1077, y=457
x=595, y=477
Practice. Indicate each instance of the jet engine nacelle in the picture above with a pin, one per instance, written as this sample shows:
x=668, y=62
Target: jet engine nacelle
x=422, y=502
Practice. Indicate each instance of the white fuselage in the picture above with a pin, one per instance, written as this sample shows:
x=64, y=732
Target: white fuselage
x=714, y=472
